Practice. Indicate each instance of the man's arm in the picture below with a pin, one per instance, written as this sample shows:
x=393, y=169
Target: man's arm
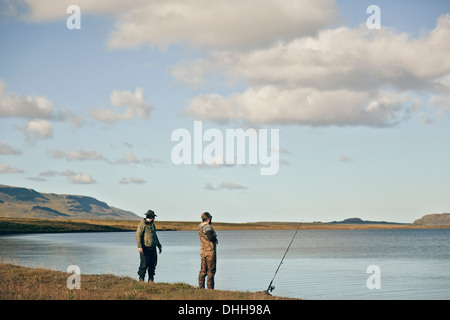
x=211, y=237
x=158, y=244
x=139, y=233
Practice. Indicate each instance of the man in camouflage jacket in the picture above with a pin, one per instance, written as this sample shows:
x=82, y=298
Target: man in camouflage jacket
x=147, y=242
x=208, y=241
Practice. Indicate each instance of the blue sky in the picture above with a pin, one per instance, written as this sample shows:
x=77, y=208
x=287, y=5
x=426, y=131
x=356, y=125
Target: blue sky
x=363, y=114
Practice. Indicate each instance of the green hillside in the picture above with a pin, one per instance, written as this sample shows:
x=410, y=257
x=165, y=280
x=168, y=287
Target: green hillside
x=17, y=202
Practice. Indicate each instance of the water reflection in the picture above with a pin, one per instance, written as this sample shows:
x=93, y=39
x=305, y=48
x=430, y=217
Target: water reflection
x=321, y=264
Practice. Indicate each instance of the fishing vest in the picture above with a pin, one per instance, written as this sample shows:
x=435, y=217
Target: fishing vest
x=208, y=248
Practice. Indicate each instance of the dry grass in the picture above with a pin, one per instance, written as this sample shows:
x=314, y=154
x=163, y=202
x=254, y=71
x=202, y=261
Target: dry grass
x=21, y=283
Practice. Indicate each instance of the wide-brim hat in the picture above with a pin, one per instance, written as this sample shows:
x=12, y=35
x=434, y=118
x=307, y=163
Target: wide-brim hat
x=150, y=214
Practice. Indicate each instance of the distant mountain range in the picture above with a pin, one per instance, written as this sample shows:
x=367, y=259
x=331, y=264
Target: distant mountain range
x=17, y=202
x=429, y=220
x=434, y=219
x=360, y=221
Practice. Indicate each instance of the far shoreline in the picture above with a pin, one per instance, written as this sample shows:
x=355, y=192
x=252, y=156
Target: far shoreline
x=9, y=226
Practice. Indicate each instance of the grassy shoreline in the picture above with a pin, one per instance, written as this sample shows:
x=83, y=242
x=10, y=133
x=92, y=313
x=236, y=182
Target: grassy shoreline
x=23, y=283
x=19, y=225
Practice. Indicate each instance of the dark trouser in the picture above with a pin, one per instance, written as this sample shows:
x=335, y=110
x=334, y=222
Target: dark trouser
x=207, y=268
x=149, y=259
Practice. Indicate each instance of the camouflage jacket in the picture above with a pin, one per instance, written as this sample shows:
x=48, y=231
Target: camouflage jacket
x=208, y=239
x=146, y=235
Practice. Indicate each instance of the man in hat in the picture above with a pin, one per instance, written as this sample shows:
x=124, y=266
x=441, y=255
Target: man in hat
x=208, y=241
x=147, y=241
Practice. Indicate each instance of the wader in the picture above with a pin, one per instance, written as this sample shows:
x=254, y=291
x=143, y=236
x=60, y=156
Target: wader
x=207, y=268
x=208, y=241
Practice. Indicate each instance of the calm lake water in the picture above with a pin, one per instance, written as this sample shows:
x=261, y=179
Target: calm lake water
x=321, y=264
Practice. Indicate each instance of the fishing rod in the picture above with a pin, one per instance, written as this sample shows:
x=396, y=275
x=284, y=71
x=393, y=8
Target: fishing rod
x=270, y=287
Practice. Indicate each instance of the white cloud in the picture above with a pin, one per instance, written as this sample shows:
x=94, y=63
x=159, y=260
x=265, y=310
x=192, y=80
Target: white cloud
x=78, y=177
x=345, y=159
x=38, y=110
x=30, y=107
x=6, y=168
x=203, y=23
x=339, y=58
x=49, y=173
x=342, y=76
x=308, y=106
x=46, y=10
x=441, y=103
x=437, y=107
x=132, y=180
x=83, y=155
x=81, y=178
x=225, y=186
x=221, y=24
x=232, y=186
x=134, y=103
x=310, y=75
x=7, y=149
x=64, y=114
x=72, y=176
x=128, y=158
x=38, y=129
